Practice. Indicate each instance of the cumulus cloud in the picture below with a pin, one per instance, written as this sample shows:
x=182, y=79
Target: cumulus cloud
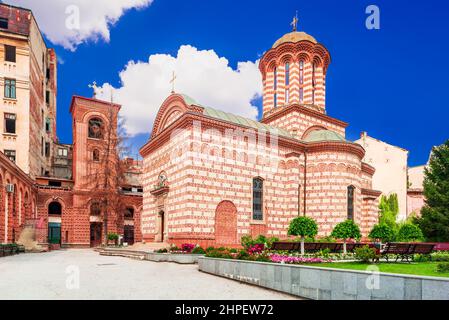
x=201, y=74
x=71, y=22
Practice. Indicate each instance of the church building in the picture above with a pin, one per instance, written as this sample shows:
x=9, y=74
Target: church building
x=211, y=177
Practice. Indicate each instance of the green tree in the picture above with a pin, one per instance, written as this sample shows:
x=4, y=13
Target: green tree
x=434, y=221
x=303, y=227
x=409, y=232
x=346, y=230
x=389, y=209
x=382, y=232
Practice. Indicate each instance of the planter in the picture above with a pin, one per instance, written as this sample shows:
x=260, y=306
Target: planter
x=177, y=258
x=329, y=284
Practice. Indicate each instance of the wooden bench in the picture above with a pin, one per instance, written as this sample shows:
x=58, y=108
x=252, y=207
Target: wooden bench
x=334, y=247
x=405, y=251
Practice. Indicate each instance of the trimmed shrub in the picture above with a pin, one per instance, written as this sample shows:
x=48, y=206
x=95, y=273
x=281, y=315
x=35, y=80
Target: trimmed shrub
x=409, y=233
x=198, y=250
x=382, y=232
x=365, y=254
x=443, y=267
x=346, y=230
x=303, y=227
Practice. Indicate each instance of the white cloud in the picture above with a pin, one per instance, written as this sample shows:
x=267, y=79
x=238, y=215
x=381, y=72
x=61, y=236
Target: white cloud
x=201, y=74
x=72, y=22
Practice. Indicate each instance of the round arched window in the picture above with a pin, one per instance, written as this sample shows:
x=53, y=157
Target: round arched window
x=54, y=208
x=96, y=128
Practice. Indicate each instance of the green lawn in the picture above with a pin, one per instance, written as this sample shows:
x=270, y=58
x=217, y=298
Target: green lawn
x=417, y=268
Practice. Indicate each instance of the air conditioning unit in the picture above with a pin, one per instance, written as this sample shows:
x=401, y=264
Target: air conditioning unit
x=10, y=188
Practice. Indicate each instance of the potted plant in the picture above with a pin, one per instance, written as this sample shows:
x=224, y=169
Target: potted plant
x=113, y=237
x=303, y=227
x=346, y=230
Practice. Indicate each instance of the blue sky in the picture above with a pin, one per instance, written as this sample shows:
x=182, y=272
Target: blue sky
x=390, y=82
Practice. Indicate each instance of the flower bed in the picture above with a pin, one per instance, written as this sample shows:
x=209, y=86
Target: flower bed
x=279, y=258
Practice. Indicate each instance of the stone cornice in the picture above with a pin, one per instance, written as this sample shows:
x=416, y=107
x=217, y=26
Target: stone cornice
x=368, y=169
x=301, y=109
x=371, y=193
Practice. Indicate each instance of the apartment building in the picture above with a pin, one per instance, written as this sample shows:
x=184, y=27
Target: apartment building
x=28, y=87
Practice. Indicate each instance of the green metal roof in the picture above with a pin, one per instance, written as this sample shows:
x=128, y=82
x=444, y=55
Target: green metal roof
x=324, y=135
x=242, y=121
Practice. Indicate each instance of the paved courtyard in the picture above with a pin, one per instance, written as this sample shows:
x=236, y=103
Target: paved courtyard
x=52, y=275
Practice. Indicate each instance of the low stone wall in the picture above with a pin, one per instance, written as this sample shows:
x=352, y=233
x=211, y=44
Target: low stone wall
x=329, y=284
x=169, y=257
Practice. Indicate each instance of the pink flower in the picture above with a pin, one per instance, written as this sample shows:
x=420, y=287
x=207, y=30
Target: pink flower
x=256, y=248
x=187, y=247
x=278, y=258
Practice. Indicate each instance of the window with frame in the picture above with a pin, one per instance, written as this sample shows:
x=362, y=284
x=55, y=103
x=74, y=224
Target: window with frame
x=95, y=209
x=287, y=74
x=96, y=155
x=10, y=53
x=96, y=128
x=129, y=213
x=10, y=123
x=4, y=23
x=62, y=152
x=47, y=125
x=258, y=199
x=10, y=88
x=47, y=149
x=11, y=154
x=351, y=190
x=47, y=97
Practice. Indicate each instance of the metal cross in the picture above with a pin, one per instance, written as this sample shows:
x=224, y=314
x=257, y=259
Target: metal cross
x=294, y=23
x=172, y=81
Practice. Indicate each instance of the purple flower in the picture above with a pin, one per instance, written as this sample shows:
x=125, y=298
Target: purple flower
x=278, y=258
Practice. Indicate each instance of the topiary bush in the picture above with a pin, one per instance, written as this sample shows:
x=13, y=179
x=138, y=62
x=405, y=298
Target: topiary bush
x=365, y=254
x=409, y=233
x=382, y=232
x=303, y=227
x=346, y=230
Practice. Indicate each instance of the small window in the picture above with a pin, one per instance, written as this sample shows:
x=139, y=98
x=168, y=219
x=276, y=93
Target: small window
x=47, y=74
x=10, y=53
x=11, y=154
x=47, y=125
x=96, y=155
x=96, y=128
x=257, y=199
x=4, y=23
x=62, y=152
x=47, y=97
x=10, y=123
x=53, y=183
x=129, y=213
x=95, y=209
x=47, y=149
x=275, y=98
x=10, y=88
x=351, y=202
x=287, y=74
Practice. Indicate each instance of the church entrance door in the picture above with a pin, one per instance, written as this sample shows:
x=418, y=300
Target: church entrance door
x=95, y=234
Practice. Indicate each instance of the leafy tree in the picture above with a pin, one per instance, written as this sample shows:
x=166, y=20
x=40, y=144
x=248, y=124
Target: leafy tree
x=303, y=227
x=389, y=209
x=383, y=232
x=409, y=232
x=434, y=221
x=346, y=230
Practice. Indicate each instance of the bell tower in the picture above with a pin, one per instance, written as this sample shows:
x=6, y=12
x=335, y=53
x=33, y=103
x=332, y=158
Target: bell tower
x=294, y=72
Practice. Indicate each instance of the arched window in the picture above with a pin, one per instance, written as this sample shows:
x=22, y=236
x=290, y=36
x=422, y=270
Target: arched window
x=96, y=155
x=351, y=190
x=95, y=209
x=96, y=128
x=54, y=208
x=301, y=81
x=129, y=213
x=287, y=74
x=275, y=87
x=313, y=83
x=257, y=199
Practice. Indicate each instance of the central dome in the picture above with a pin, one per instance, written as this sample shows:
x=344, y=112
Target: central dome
x=294, y=37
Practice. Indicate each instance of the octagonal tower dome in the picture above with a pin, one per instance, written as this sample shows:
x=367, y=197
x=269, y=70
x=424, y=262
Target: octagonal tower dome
x=294, y=71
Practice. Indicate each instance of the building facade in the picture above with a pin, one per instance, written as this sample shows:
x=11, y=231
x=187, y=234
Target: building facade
x=391, y=163
x=210, y=177
x=57, y=194
x=28, y=88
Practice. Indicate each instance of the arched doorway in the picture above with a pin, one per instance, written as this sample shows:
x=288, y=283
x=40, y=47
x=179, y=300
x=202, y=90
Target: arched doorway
x=54, y=222
x=226, y=224
x=128, y=232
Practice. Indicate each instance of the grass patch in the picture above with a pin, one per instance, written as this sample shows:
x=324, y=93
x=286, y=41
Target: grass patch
x=415, y=268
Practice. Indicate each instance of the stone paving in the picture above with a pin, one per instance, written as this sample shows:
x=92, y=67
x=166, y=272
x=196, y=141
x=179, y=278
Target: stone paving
x=53, y=275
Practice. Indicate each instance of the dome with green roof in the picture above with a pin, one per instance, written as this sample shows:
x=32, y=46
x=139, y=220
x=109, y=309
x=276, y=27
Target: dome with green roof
x=324, y=135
